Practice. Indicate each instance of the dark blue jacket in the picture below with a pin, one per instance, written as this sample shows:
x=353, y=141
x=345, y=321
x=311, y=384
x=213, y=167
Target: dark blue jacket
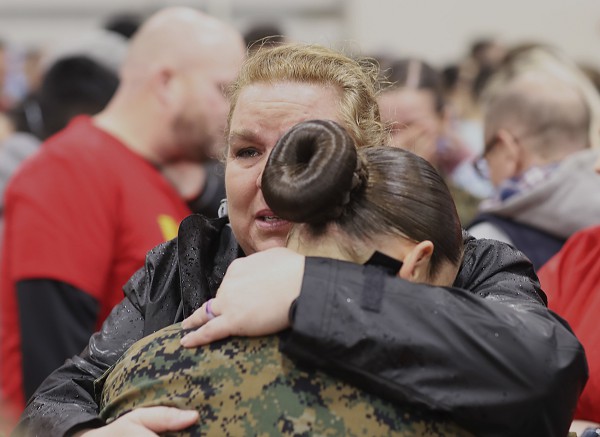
x=537, y=245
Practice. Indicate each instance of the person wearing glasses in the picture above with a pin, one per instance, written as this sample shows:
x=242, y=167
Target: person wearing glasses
x=414, y=108
x=537, y=155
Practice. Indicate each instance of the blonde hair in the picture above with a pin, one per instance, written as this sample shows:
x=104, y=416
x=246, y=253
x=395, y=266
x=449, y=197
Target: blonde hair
x=554, y=63
x=315, y=64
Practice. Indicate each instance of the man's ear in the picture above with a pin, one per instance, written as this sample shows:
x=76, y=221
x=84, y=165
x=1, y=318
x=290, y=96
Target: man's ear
x=512, y=151
x=167, y=87
x=415, y=267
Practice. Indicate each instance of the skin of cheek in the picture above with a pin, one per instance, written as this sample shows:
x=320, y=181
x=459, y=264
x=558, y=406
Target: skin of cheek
x=245, y=198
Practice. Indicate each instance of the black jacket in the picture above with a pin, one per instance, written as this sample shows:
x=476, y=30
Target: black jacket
x=539, y=246
x=493, y=357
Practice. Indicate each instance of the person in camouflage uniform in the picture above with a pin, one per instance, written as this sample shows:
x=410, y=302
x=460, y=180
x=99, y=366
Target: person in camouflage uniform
x=245, y=386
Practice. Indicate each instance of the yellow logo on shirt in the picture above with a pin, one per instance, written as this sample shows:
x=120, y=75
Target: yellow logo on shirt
x=168, y=226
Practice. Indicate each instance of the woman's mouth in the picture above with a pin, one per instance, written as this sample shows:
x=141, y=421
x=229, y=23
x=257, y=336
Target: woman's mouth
x=267, y=220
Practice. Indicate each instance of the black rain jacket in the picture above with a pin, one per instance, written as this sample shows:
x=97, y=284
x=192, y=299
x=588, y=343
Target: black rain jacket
x=487, y=351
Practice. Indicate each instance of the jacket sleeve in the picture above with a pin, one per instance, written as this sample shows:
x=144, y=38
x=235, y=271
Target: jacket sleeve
x=492, y=356
x=70, y=312
x=65, y=402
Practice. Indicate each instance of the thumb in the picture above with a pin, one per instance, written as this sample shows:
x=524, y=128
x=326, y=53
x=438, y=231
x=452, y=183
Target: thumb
x=161, y=419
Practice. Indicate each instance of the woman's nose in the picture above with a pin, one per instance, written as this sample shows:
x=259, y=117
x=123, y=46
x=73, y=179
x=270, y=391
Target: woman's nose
x=259, y=178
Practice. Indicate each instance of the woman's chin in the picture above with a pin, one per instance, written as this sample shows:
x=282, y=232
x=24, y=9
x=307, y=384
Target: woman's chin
x=268, y=243
x=273, y=242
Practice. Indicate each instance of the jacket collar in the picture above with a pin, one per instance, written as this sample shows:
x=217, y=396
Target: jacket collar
x=205, y=249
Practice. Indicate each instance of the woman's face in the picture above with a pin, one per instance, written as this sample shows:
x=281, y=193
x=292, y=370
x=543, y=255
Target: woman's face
x=263, y=113
x=416, y=126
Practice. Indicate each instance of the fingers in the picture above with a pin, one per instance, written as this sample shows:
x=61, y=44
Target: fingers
x=216, y=329
x=161, y=419
x=201, y=315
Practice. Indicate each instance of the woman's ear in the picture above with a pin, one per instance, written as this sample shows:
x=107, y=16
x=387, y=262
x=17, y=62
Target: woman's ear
x=415, y=267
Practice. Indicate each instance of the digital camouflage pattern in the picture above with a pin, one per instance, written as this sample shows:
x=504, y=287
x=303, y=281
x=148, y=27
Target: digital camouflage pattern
x=245, y=386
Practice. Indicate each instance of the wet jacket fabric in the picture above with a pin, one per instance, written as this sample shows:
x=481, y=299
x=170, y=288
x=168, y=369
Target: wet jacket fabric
x=493, y=357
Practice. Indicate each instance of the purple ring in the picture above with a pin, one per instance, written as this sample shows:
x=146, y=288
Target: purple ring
x=209, y=312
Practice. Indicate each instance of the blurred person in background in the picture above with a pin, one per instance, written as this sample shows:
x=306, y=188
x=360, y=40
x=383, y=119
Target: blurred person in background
x=488, y=53
x=32, y=67
x=592, y=73
x=542, y=57
x=261, y=34
x=572, y=281
x=70, y=86
x=537, y=155
x=79, y=79
x=462, y=84
x=82, y=213
x=4, y=55
x=414, y=108
x=124, y=24
x=5, y=126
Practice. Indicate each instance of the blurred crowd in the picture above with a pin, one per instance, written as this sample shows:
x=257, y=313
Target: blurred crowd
x=433, y=109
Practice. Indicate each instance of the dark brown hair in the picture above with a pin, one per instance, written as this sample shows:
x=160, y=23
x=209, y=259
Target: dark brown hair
x=316, y=176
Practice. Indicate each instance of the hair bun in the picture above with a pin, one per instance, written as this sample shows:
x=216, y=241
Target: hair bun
x=311, y=172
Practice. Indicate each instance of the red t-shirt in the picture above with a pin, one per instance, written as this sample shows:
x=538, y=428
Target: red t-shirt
x=84, y=211
x=571, y=279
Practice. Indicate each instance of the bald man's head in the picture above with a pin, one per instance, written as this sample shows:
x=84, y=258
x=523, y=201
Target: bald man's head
x=173, y=80
x=546, y=113
x=179, y=36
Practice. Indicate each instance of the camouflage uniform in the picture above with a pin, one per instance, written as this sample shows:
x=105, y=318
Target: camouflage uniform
x=245, y=386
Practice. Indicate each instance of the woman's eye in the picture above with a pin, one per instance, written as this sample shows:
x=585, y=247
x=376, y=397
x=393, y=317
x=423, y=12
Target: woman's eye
x=247, y=153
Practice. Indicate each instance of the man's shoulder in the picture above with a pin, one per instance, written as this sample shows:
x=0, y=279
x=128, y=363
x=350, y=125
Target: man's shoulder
x=580, y=252
x=587, y=236
x=76, y=152
x=486, y=227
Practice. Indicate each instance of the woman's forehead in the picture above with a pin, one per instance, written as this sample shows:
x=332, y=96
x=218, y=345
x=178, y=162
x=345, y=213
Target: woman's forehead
x=302, y=93
x=284, y=103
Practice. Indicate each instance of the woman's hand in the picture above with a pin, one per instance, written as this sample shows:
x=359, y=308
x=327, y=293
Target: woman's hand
x=254, y=298
x=145, y=422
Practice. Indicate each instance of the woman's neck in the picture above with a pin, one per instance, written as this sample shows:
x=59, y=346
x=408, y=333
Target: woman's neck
x=329, y=245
